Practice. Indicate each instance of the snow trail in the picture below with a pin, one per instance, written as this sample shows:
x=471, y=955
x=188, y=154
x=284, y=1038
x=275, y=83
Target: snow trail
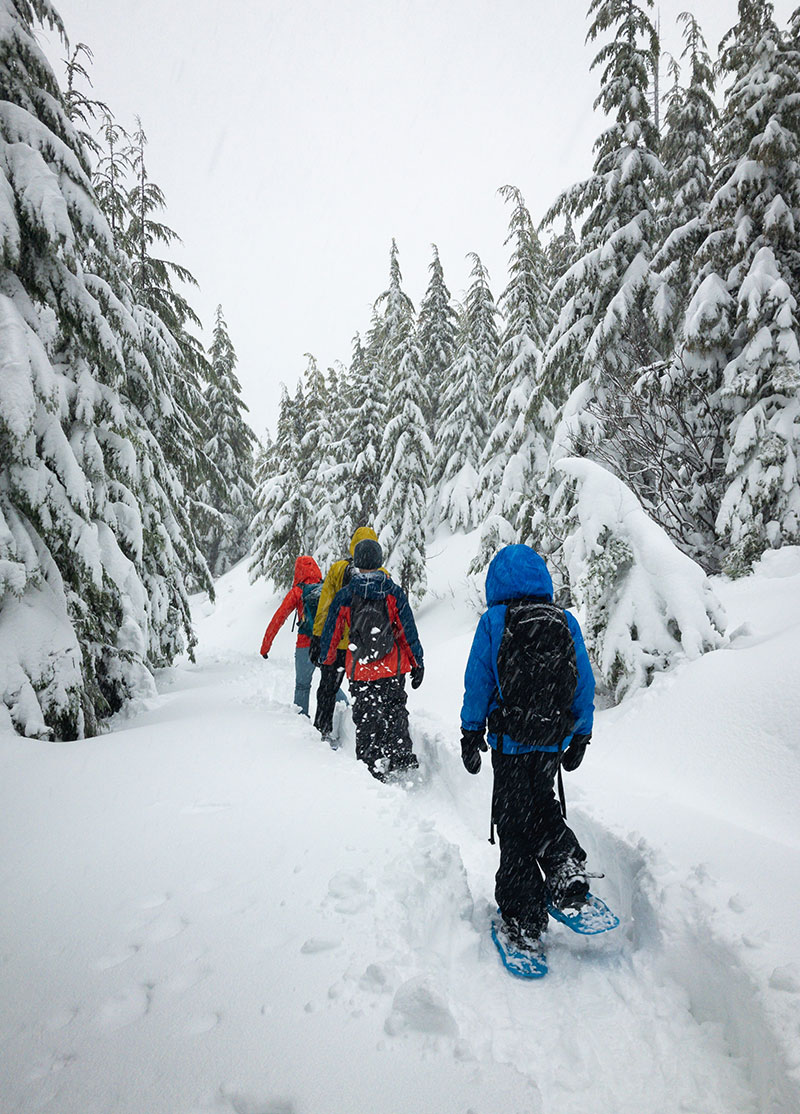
x=211, y=912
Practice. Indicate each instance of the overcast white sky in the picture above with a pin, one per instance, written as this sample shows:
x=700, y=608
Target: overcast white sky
x=295, y=138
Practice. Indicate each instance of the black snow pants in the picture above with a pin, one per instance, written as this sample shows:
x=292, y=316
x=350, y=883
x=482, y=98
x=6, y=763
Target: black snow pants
x=534, y=838
x=381, y=722
x=330, y=679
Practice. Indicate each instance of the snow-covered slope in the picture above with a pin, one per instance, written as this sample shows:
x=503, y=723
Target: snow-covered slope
x=208, y=911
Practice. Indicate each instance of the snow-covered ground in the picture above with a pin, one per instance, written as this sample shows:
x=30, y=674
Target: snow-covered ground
x=208, y=911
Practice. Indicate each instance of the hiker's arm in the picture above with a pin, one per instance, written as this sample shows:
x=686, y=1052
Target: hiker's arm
x=290, y=602
x=330, y=587
x=404, y=625
x=479, y=679
x=583, y=703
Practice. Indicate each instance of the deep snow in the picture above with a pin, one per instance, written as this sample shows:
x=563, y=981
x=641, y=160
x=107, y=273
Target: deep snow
x=209, y=911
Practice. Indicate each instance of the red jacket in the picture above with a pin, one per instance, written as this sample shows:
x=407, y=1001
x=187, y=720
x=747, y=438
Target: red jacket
x=306, y=571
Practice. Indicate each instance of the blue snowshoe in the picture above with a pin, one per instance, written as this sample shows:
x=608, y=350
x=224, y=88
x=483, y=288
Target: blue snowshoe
x=589, y=918
x=525, y=959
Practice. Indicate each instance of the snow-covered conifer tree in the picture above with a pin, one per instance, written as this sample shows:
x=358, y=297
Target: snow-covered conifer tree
x=687, y=154
x=224, y=532
x=436, y=328
x=461, y=436
x=645, y=605
x=364, y=435
x=281, y=529
x=333, y=511
x=94, y=542
x=747, y=286
x=405, y=449
x=318, y=472
x=515, y=454
x=463, y=424
x=602, y=330
x=560, y=252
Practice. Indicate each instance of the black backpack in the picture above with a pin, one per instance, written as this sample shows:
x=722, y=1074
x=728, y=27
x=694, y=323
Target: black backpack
x=538, y=675
x=311, y=594
x=371, y=634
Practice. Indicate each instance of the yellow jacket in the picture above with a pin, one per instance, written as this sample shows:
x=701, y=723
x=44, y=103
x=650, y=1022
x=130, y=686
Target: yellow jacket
x=333, y=582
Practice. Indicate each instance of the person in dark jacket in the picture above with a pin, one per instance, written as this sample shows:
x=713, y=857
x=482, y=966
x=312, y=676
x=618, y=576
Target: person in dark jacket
x=376, y=672
x=332, y=673
x=306, y=572
x=540, y=857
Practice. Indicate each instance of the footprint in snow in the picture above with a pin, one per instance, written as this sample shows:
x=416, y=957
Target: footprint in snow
x=166, y=928
x=153, y=901
x=116, y=959
x=419, y=1006
x=124, y=1008
x=202, y=1023
x=318, y=944
x=349, y=893
x=61, y=1019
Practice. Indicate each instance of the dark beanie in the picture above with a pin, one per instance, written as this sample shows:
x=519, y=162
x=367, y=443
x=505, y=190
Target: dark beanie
x=367, y=554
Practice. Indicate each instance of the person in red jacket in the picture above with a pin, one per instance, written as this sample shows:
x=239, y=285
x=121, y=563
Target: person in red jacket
x=302, y=598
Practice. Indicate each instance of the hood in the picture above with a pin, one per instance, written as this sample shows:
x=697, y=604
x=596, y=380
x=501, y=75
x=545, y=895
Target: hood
x=361, y=534
x=515, y=572
x=306, y=571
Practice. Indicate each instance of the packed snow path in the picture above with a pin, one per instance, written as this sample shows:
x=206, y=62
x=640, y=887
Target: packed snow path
x=210, y=911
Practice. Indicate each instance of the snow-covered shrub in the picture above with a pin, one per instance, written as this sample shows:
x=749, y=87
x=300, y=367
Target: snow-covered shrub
x=644, y=604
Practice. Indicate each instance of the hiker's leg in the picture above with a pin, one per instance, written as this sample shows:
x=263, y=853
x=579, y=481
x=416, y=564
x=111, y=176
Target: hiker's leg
x=329, y=682
x=519, y=887
x=560, y=855
x=553, y=840
x=303, y=672
x=366, y=718
x=397, y=746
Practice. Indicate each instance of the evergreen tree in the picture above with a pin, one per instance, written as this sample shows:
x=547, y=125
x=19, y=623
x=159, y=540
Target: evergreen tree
x=93, y=538
x=405, y=448
x=166, y=319
x=560, y=253
x=110, y=176
x=687, y=152
x=281, y=529
x=318, y=476
x=81, y=109
x=750, y=271
x=224, y=533
x=363, y=441
x=464, y=421
x=602, y=328
x=437, y=338
x=516, y=451
x=462, y=434
x=339, y=495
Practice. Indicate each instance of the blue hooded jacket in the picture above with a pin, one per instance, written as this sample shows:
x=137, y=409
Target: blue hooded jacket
x=517, y=572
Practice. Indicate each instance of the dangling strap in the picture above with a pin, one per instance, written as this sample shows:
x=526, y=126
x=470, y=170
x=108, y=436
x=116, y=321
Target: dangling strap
x=491, y=815
x=562, y=799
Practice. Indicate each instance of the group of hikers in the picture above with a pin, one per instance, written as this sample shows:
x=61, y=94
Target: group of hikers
x=528, y=695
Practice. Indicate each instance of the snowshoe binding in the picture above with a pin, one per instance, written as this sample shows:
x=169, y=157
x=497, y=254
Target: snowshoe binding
x=522, y=955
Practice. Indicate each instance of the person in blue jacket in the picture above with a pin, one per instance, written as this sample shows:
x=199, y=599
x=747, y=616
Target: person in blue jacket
x=540, y=857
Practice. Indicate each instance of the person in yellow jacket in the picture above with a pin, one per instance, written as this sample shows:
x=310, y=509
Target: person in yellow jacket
x=331, y=675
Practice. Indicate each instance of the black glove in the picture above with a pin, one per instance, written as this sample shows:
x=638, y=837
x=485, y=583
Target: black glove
x=417, y=673
x=573, y=755
x=313, y=649
x=472, y=743
x=265, y=656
